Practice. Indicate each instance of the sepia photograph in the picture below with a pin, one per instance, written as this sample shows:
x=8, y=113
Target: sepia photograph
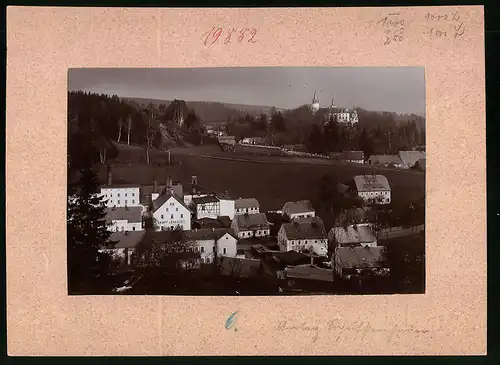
x=246, y=181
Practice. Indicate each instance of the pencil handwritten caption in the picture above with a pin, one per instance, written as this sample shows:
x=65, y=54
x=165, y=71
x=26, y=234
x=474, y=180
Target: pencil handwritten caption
x=444, y=25
x=221, y=35
x=349, y=331
x=393, y=27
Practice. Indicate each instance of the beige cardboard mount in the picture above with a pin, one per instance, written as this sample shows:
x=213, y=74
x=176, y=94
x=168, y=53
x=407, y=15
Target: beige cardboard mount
x=449, y=319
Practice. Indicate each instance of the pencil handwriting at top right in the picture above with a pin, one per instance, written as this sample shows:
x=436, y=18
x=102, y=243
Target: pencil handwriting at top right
x=444, y=25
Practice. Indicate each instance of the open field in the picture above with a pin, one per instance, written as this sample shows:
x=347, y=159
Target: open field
x=272, y=180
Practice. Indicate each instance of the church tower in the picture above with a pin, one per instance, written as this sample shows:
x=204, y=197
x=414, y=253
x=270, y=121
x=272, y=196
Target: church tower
x=331, y=110
x=315, y=103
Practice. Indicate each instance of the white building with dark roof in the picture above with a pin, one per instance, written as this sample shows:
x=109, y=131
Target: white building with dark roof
x=124, y=219
x=251, y=225
x=304, y=234
x=211, y=240
x=120, y=195
x=170, y=212
x=373, y=188
x=299, y=209
x=246, y=205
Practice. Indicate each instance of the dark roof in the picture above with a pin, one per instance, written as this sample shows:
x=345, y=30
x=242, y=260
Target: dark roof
x=304, y=228
x=209, y=233
x=147, y=191
x=210, y=223
x=225, y=220
x=360, y=257
x=243, y=203
x=243, y=268
x=309, y=272
x=206, y=199
x=251, y=221
x=117, y=186
x=301, y=206
x=127, y=239
x=420, y=164
x=371, y=183
x=162, y=199
x=291, y=258
x=130, y=214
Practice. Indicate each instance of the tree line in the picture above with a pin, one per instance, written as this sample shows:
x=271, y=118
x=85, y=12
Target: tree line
x=376, y=133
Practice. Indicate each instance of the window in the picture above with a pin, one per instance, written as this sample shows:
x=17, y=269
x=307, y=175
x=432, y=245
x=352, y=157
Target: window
x=125, y=194
x=133, y=201
x=202, y=208
x=118, y=202
x=133, y=228
x=171, y=216
x=126, y=202
x=133, y=194
x=171, y=227
x=258, y=232
x=166, y=209
x=176, y=209
x=195, y=248
x=182, y=215
x=224, y=250
x=171, y=204
x=202, y=249
x=162, y=216
x=208, y=260
x=213, y=249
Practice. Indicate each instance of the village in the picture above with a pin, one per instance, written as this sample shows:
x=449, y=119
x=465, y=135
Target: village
x=288, y=247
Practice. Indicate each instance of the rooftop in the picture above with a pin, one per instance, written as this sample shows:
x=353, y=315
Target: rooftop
x=243, y=203
x=147, y=191
x=309, y=272
x=209, y=233
x=409, y=158
x=360, y=257
x=304, y=228
x=298, y=207
x=352, y=235
x=206, y=199
x=252, y=221
x=371, y=183
x=127, y=239
x=164, y=197
x=130, y=214
x=243, y=268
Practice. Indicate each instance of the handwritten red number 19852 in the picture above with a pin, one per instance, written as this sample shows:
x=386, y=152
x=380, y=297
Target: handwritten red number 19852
x=216, y=33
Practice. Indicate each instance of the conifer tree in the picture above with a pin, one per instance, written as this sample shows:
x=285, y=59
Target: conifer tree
x=87, y=229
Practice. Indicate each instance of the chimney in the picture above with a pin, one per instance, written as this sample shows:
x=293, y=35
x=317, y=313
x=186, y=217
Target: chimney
x=194, y=180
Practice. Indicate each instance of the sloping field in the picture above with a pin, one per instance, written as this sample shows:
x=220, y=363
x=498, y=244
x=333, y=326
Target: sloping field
x=272, y=180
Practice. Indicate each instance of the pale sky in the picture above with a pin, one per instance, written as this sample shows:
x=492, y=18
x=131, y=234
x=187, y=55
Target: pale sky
x=397, y=89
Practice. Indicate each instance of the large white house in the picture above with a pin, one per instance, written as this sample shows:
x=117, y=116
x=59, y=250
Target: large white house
x=170, y=212
x=251, y=225
x=373, y=188
x=298, y=209
x=304, y=234
x=121, y=195
x=246, y=205
x=124, y=219
x=211, y=240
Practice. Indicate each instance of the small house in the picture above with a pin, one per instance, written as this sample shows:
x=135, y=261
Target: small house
x=251, y=225
x=124, y=218
x=246, y=205
x=213, y=240
x=373, y=188
x=124, y=246
x=359, y=262
x=298, y=209
x=385, y=161
x=353, y=235
x=304, y=234
x=169, y=212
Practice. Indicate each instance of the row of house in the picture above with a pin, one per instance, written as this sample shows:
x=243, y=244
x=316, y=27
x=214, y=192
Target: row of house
x=233, y=219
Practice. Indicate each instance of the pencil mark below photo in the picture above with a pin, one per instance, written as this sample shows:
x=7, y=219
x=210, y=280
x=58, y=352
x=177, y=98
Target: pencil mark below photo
x=246, y=181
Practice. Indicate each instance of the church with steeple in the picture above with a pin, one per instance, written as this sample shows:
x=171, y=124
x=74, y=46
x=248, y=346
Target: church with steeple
x=342, y=115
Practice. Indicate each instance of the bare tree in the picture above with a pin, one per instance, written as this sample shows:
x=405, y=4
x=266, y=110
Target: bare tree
x=129, y=126
x=120, y=124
